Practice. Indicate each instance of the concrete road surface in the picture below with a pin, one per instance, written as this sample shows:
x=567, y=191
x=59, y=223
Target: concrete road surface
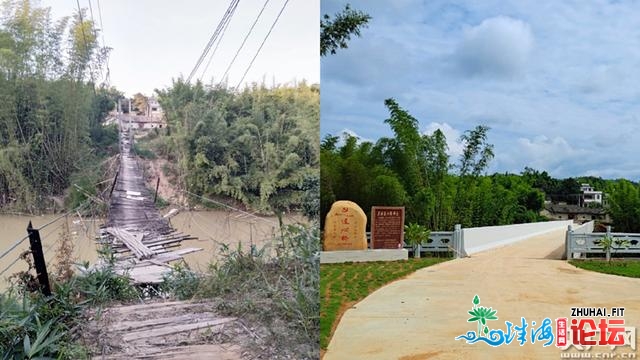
x=419, y=317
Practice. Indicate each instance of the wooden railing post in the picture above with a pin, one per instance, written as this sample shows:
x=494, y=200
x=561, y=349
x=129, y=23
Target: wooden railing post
x=115, y=180
x=38, y=259
x=157, y=185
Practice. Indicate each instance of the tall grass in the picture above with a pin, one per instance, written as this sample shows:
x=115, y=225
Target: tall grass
x=33, y=326
x=277, y=294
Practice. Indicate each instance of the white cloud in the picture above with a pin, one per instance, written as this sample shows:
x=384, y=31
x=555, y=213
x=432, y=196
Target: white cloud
x=554, y=154
x=576, y=73
x=350, y=132
x=499, y=46
x=452, y=135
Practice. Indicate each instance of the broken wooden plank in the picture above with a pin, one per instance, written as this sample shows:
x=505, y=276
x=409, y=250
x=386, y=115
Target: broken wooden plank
x=132, y=241
x=175, y=255
x=152, y=274
x=145, y=334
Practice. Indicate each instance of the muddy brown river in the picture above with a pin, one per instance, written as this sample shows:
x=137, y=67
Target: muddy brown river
x=213, y=230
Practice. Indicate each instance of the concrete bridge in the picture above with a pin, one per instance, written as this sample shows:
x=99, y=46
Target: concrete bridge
x=420, y=316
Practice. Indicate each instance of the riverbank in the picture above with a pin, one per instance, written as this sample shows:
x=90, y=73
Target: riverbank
x=212, y=230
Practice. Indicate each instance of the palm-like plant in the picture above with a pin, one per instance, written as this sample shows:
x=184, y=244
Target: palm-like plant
x=481, y=314
x=609, y=242
x=415, y=234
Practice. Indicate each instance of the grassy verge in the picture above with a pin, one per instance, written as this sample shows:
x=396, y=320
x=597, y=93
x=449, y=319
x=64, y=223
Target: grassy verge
x=629, y=268
x=276, y=292
x=35, y=327
x=344, y=284
x=273, y=289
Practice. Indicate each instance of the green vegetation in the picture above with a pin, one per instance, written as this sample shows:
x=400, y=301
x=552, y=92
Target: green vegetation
x=143, y=152
x=413, y=170
x=629, y=268
x=609, y=243
x=341, y=285
x=32, y=326
x=50, y=113
x=258, y=146
x=623, y=199
x=336, y=32
x=274, y=288
x=277, y=293
x=415, y=234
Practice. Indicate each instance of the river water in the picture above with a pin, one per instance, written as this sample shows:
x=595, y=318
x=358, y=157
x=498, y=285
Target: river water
x=213, y=229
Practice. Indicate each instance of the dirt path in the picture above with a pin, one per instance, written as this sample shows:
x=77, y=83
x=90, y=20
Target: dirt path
x=420, y=316
x=166, y=330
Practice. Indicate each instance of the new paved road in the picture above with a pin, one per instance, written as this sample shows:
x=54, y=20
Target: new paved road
x=418, y=317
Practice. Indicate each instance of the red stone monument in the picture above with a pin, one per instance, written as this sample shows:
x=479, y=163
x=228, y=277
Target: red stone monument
x=387, y=227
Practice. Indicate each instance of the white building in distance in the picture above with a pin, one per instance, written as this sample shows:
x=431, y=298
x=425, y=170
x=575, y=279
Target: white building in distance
x=590, y=196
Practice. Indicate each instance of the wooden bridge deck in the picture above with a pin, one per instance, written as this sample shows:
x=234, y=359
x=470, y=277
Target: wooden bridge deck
x=142, y=240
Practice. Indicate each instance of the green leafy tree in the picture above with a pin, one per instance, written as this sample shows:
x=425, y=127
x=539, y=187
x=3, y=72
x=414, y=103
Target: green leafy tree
x=624, y=205
x=476, y=154
x=335, y=33
x=140, y=104
x=259, y=147
x=50, y=114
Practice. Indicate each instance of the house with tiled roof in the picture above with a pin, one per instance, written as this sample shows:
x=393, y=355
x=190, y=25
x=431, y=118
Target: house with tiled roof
x=579, y=214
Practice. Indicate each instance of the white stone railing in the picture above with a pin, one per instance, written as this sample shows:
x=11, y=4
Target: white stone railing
x=582, y=241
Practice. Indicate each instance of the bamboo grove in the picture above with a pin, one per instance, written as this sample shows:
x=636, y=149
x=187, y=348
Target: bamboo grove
x=258, y=146
x=414, y=170
x=50, y=112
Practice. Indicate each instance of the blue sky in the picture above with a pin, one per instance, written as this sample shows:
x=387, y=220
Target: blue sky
x=154, y=41
x=557, y=81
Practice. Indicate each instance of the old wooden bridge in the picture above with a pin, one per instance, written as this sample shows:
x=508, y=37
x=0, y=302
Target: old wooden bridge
x=142, y=240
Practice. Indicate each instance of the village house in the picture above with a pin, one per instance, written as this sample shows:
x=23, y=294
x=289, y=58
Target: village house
x=579, y=214
x=154, y=109
x=590, y=197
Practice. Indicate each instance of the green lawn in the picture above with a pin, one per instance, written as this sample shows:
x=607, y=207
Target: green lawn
x=629, y=268
x=341, y=285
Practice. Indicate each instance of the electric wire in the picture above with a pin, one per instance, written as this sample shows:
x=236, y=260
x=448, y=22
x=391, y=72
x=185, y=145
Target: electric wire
x=84, y=38
x=224, y=29
x=10, y=265
x=244, y=40
x=213, y=38
x=104, y=44
x=230, y=207
x=262, y=44
x=20, y=241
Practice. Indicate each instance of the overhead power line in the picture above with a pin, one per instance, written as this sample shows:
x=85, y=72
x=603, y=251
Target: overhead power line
x=107, y=78
x=214, y=37
x=245, y=40
x=86, y=47
x=262, y=44
x=224, y=29
x=20, y=241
